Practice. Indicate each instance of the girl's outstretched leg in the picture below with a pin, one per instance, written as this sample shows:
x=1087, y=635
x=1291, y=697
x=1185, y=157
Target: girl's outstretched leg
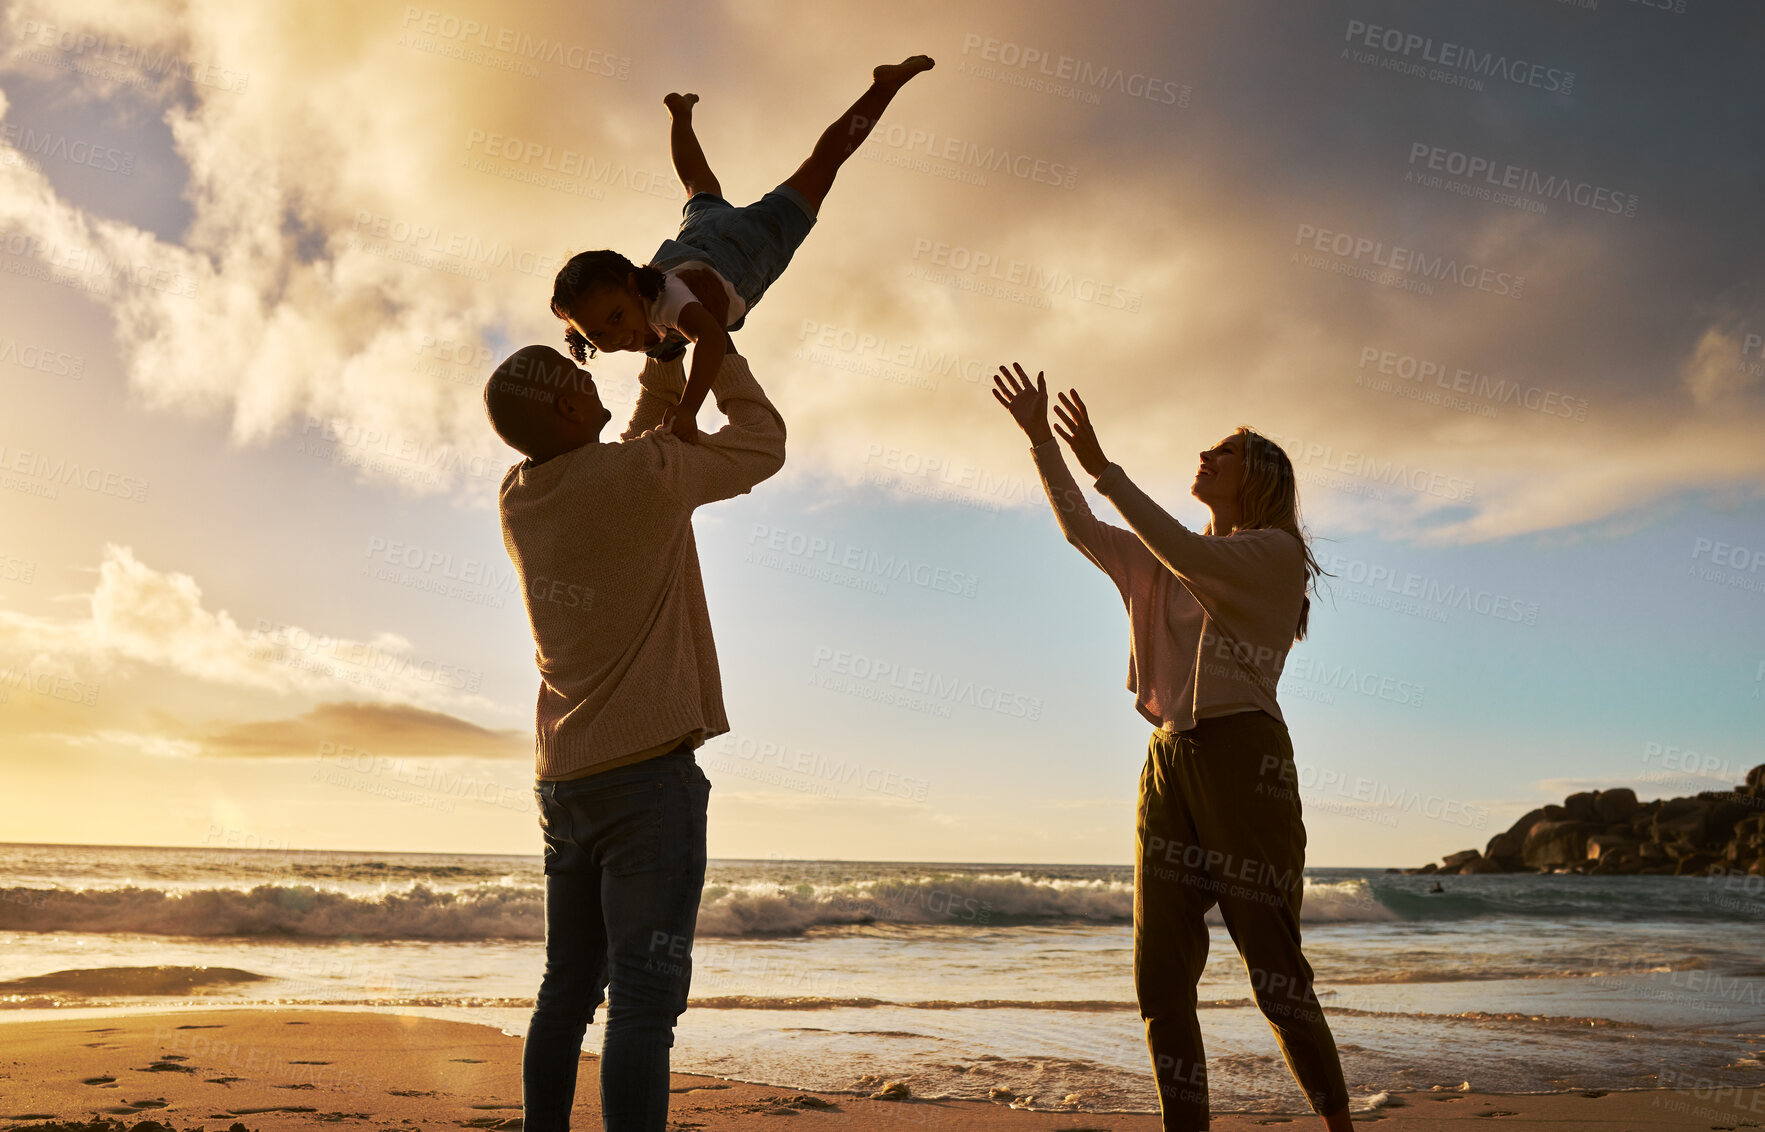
x=839, y=141
x=683, y=146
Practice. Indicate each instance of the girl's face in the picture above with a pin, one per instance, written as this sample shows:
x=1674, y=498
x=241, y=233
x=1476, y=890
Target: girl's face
x=1221, y=473
x=611, y=318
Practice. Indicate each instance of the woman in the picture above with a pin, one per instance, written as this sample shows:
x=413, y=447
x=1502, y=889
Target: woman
x=1212, y=617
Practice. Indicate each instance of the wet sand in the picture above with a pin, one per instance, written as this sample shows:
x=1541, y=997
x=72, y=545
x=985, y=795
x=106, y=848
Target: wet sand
x=287, y=1069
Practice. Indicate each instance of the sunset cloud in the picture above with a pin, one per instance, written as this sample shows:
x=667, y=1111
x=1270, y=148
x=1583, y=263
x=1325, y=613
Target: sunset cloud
x=383, y=192
x=147, y=620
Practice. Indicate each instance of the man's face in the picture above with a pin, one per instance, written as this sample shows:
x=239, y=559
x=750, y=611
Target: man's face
x=582, y=411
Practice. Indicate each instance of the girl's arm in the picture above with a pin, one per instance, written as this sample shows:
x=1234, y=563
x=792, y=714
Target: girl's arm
x=710, y=345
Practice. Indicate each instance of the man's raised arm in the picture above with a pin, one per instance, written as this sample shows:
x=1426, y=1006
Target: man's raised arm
x=730, y=461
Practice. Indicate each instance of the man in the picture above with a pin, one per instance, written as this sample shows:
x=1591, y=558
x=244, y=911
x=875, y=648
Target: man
x=601, y=537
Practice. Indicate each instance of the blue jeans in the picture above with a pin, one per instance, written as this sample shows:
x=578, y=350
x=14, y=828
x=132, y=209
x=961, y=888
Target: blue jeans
x=749, y=246
x=624, y=867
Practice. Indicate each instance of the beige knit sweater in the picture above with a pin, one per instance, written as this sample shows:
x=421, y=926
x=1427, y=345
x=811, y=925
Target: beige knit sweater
x=1211, y=617
x=602, y=542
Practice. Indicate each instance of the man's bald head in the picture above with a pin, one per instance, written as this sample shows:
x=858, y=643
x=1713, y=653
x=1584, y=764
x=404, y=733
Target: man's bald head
x=543, y=404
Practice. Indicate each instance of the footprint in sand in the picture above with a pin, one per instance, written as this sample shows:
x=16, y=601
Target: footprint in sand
x=309, y=1063
x=1498, y=1112
x=135, y=1106
x=167, y=1067
x=272, y=1108
x=222, y=1080
x=204, y=1026
x=98, y=1080
x=467, y=1060
x=302, y=1085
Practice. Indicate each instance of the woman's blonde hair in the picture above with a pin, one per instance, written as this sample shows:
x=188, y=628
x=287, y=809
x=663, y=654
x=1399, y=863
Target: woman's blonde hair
x=1269, y=500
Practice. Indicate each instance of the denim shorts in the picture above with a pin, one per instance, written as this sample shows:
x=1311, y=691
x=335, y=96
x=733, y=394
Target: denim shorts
x=749, y=246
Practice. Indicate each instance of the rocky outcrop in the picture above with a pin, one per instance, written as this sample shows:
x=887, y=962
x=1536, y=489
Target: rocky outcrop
x=1603, y=832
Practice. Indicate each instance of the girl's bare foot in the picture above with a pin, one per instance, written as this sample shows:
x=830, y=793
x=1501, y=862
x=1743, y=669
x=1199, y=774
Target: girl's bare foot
x=679, y=104
x=896, y=74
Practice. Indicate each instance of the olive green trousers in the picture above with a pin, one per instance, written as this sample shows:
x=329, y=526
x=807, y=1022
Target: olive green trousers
x=1219, y=822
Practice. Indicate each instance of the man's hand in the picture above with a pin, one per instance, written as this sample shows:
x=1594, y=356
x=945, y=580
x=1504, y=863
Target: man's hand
x=1027, y=404
x=708, y=290
x=1079, y=435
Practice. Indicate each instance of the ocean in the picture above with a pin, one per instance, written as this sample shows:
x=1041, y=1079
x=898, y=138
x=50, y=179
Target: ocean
x=954, y=978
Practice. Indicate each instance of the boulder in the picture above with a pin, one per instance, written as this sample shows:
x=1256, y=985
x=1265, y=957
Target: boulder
x=1756, y=779
x=1652, y=851
x=1600, y=844
x=1581, y=807
x=1555, y=813
x=1615, y=806
x=1481, y=865
x=1553, y=844
x=1453, y=862
x=1505, y=847
x=1615, y=863
x=1519, y=829
x=1687, y=824
x=1724, y=816
x=1696, y=864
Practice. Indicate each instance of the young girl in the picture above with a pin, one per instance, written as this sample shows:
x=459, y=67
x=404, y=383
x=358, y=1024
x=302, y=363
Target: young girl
x=610, y=303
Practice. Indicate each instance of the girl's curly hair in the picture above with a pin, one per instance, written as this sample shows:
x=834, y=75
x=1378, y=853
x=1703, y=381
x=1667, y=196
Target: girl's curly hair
x=592, y=271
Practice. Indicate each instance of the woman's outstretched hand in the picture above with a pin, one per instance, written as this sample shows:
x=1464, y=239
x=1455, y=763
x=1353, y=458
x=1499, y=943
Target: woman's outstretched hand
x=1027, y=403
x=1078, y=433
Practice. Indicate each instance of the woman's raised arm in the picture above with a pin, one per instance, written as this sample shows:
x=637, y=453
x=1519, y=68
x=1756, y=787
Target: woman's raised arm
x=1115, y=551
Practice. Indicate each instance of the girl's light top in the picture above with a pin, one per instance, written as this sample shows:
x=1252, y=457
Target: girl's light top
x=1211, y=617
x=663, y=312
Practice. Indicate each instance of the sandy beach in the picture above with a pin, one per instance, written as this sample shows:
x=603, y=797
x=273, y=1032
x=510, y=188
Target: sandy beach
x=286, y=1069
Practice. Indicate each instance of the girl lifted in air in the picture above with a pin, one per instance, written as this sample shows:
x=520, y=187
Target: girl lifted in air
x=610, y=303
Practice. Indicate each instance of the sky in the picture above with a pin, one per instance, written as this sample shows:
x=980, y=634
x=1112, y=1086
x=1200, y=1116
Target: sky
x=1489, y=273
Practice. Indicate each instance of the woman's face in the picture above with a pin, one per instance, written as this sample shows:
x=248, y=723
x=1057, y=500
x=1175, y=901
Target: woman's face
x=611, y=318
x=1220, y=474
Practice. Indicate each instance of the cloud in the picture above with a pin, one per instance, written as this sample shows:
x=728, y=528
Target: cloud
x=367, y=186
x=145, y=618
x=359, y=730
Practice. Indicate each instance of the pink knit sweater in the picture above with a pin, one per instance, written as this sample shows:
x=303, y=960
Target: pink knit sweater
x=1211, y=617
